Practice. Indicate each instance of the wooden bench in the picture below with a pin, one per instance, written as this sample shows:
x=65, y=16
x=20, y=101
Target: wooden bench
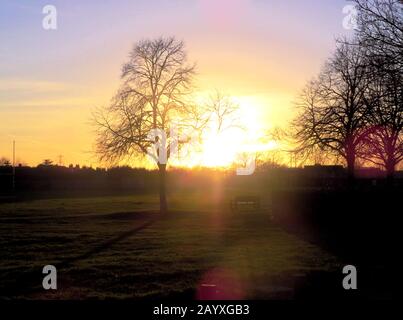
x=245, y=203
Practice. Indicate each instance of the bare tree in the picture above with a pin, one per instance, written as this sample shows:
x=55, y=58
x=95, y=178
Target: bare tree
x=383, y=146
x=272, y=156
x=380, y=28
x=46, y=163
x=217, y=114
x=354, y=108
x=223, y=112
x=5, y=162
x=156, y=81
x=380, y=33
x=333, y=110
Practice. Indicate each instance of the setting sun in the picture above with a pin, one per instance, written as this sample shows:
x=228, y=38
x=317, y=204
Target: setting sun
x=220, y=150
x=240, y=133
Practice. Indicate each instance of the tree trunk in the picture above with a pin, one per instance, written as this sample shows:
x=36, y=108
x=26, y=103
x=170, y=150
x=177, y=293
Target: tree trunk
x=390, y=172
x=351, y=166
x=162, y=182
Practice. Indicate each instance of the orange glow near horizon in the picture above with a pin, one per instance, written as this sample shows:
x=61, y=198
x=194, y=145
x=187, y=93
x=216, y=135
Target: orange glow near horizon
x=222, y=149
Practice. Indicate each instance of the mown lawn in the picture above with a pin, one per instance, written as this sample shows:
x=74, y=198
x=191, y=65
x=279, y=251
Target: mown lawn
x=120, y=247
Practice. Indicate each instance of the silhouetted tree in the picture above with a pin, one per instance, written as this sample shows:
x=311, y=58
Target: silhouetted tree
x=5, y=162
x=333, y=113
x=383, y=145
x=380, y=30
x=156, y=81
x=223, y=112
x=380, y=33
x=47, y=163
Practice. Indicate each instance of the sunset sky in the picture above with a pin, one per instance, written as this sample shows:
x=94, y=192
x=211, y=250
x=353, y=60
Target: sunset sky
x=262, y=52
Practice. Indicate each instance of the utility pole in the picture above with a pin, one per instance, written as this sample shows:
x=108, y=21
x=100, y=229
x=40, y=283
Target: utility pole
x=13, y=165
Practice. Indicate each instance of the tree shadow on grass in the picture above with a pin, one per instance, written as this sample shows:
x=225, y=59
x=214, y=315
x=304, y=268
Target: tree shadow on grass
x=29, y=282
x=107, y=244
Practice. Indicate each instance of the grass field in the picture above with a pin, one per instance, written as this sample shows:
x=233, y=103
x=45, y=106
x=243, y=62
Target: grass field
x=120, y=247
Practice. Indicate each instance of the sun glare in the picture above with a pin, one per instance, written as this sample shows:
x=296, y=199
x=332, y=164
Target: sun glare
x=222, y=149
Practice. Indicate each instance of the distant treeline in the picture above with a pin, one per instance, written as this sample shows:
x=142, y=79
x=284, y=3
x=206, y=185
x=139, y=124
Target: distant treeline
x=56, y=179
x=50, y=179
